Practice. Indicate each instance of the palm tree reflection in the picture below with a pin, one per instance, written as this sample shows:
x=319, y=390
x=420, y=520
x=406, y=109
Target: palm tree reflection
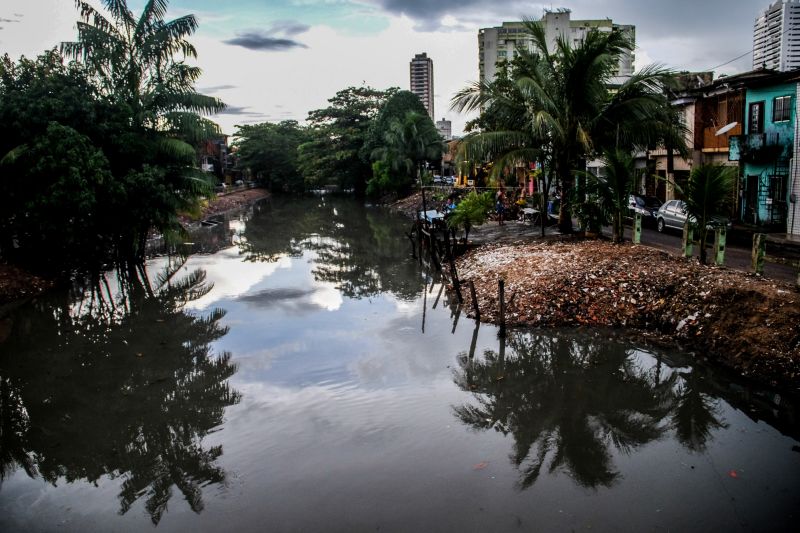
x=120, y=387
x=566, y=400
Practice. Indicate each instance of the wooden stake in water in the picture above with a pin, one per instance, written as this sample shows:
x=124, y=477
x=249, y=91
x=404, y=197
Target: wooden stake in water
x=474, y=300
x=501, y=289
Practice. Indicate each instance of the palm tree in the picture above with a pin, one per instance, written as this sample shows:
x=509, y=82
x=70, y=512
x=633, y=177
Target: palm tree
x=613, y=189
x=138, y=64
x=708, y=196
x=407, y=143
x=565, y=100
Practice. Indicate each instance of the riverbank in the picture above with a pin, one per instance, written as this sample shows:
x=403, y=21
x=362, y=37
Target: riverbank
x=17, y=284
x=740, y=320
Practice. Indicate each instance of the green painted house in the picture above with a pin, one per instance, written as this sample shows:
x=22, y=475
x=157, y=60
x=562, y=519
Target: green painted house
x=766, y=150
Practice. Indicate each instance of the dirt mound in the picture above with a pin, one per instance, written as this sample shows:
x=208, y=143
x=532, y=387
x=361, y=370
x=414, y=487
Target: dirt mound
x=744, y=321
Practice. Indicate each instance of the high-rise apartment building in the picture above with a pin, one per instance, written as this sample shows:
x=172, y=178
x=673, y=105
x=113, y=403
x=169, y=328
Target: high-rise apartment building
x=500, y=43
x=422, y=80
x=776, y=36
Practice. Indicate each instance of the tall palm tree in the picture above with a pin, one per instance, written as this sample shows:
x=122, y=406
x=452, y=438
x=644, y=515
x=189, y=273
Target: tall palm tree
x=565, y=99
x=139, y=66
x=708, y=196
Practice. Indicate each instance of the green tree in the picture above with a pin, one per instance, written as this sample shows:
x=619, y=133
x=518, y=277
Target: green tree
x=471, y=211
x=395, y=108
x=138, y=65
x=269, y=151
x=611, y=191
x=338, y=133
x=566, y=101
x=408, y=142
x=708, y=195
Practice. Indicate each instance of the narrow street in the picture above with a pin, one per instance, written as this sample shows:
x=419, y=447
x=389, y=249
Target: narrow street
x=736, y=256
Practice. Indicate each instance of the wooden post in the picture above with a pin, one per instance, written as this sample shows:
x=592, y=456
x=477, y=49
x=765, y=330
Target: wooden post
x=455, y=322
x=474, y=342
x=419, y=239
x=637, y=228
x=474, y=300
x=759, y=251
x=720, y=236
x=688, y=239
x=501, y=287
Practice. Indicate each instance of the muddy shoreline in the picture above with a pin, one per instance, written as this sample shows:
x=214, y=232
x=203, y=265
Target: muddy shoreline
x=742, y=321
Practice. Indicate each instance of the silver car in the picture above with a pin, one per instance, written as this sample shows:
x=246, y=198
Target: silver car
x=673, y=215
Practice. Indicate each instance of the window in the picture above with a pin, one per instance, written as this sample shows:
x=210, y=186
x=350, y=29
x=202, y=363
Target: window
x=756, y=117
x=781, y=108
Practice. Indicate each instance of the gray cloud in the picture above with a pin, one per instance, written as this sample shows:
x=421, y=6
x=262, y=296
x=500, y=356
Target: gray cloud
x=240, y=111
x=9, y=20
x=714, y=31
x=256, y=40
x=290, y=300
x=215, y=88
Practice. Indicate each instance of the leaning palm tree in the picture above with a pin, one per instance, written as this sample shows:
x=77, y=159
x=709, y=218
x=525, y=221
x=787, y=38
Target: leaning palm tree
x=564, y=99
x=708, y=197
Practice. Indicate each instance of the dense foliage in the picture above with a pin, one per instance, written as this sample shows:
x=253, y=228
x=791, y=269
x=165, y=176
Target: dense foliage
x=338, y=133
x=99, y=152
x=269, y=152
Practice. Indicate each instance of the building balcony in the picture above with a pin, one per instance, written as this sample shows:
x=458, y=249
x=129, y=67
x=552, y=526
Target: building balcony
x=756, y=148
x=713, y=143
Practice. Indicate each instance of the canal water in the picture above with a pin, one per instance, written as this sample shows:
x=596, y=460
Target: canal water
x=308, y=374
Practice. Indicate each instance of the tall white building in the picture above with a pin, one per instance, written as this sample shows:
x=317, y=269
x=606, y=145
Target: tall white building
x=776, y=36
x=501, y=43
x=421, y=68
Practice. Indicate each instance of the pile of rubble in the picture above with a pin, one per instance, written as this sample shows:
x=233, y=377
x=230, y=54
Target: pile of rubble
x=744, y=321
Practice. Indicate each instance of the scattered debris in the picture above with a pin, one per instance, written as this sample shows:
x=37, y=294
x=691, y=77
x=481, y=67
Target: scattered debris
x=744, y=321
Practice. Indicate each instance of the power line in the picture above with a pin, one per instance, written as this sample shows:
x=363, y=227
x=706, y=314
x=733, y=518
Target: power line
x=731, y=61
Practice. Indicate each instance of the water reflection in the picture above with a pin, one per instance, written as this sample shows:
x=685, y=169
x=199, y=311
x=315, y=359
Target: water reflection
x=361, y=250
x=569, y=401
x=122, y=385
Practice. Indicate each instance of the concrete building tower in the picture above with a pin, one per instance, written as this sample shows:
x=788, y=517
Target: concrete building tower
x=445, y=129
x=776, y=36
x=422, y=80
x=502, y=42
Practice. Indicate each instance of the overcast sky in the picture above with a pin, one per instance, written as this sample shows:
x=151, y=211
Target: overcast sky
x=272, y=60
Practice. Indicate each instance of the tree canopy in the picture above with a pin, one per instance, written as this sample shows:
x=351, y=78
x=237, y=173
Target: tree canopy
x=117, y=130
x=270, y=152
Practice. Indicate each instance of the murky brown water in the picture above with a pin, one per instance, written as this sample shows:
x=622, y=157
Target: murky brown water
x=327, y=383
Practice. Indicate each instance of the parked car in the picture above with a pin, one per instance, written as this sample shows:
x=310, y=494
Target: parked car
x=673, y=215
x=437, y=180
x=647, y=206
